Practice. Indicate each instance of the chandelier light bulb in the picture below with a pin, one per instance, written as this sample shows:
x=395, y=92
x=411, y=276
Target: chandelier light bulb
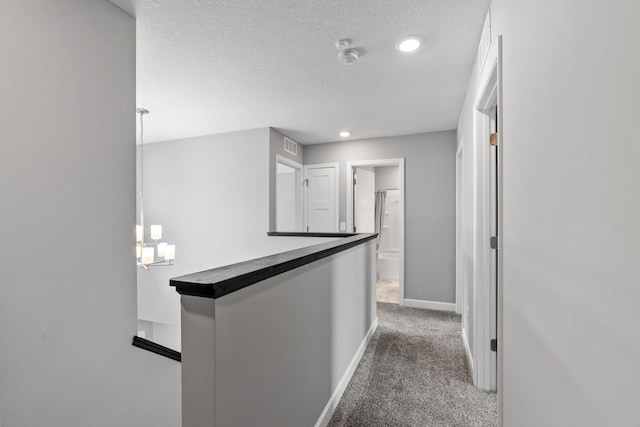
x=147, y=255
x=156, y=232
x=170, y=252
x=161, y=248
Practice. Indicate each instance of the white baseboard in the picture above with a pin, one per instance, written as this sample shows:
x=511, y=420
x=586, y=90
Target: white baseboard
x=325, y=417
x=467, y=349
x=431, y=305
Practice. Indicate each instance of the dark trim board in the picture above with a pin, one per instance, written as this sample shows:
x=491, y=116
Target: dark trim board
x=156, y=348
x=225, y=280
x=301, y=234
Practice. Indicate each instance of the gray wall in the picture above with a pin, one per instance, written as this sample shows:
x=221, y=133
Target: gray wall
x=276, y=147
x=387, y=177
x=272, y=354
x=429, y=204
x=571, y=208
x=210, y=193
x=67, y=180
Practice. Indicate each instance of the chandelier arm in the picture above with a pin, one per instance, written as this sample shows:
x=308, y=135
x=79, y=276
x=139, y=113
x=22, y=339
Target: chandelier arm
x=163, y=263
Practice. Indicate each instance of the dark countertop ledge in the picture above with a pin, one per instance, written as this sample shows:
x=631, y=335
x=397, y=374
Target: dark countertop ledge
x=221, y=281
x=307, y=234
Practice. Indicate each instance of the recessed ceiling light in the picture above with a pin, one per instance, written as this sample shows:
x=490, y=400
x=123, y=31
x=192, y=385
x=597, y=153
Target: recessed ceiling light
x=345, y=134
x=409, y=43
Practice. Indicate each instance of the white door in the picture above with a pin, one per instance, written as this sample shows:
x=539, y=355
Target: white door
x=288, y=195
x=364, y=202
x=321, y=199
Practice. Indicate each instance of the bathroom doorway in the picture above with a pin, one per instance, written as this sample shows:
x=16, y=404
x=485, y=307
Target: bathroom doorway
x=376, y=205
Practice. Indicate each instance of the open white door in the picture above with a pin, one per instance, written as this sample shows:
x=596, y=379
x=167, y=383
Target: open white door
x=321, y=213
x=289, y=205
x=364, y=187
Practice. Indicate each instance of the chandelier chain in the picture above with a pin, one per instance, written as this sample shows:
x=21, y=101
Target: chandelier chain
x=141, y=163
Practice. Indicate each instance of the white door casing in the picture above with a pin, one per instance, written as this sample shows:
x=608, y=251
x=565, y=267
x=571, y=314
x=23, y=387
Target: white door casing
x=364, y=200
x=321, y=192
x=459, y=224
x=351, y=165
x=487, y=221
x=493, y=231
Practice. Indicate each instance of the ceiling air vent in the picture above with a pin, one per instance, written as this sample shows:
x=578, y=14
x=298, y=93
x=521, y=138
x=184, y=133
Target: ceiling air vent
x=290, y=146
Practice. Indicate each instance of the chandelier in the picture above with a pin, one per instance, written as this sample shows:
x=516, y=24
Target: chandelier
x=146, y=252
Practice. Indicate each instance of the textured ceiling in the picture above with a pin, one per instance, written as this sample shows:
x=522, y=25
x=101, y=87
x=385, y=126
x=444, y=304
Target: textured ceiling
x=211, y=66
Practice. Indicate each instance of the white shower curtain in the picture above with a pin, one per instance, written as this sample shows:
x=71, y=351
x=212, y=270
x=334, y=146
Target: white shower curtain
x=381, y=197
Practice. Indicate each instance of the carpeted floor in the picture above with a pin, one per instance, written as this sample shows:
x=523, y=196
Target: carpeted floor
x=414, y=373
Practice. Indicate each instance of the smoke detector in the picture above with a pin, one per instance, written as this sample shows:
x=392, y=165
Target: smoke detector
x=342, y=44
x=348, y=57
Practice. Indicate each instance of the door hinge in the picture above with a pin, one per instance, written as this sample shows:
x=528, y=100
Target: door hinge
x=494, y=345
x=354, y=228
x=493, y=139
x=494, y=242
x=306, y=182
x=307, y=228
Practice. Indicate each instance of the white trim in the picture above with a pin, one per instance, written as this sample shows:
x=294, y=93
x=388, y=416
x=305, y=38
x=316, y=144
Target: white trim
x=467, y=350
x=331, y=405
x=288, y=162
x=431, y=305
x=336, y=166
x=499, y=374
x=488, y=97
x=485, y=101
x=459, y=227
x=459, y=148
x=299, y=190
x=377, y=163
x=485, y=37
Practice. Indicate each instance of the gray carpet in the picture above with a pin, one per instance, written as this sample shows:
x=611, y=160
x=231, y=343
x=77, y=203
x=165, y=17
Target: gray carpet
x=414, y=373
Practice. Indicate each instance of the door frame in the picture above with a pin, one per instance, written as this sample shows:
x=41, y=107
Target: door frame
x=459, y=227
x=377, y=163
x=299, y=190
x=336, y=191
x=489, y=95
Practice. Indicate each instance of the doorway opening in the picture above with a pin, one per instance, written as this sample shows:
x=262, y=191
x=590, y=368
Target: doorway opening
x=288, y=195
x=375, y=204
